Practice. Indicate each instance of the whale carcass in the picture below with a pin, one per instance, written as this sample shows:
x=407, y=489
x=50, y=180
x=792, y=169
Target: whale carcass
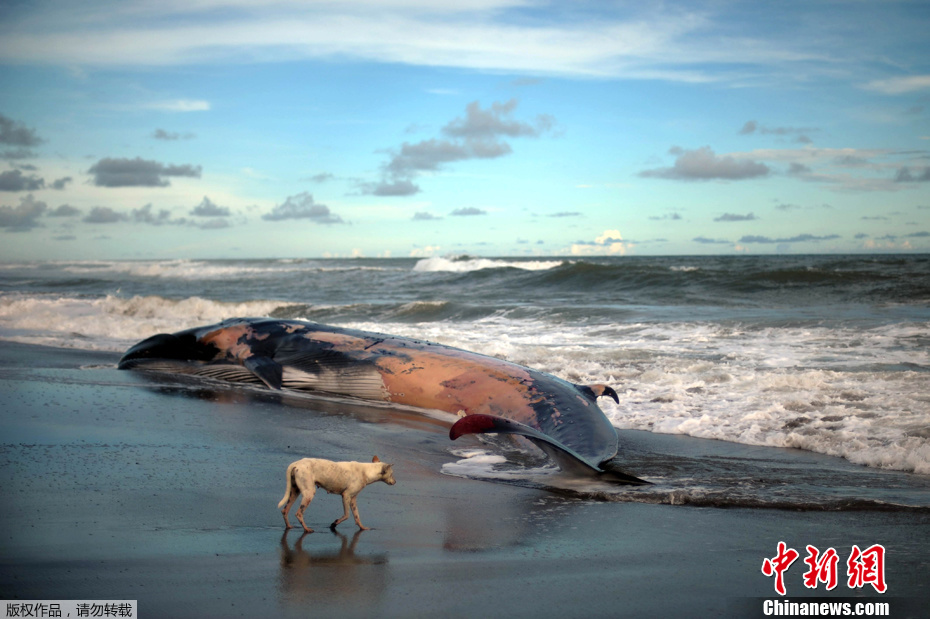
x=491, y=395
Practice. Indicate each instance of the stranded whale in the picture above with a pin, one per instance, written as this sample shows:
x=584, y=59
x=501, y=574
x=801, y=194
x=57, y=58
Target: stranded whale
x=490, y=394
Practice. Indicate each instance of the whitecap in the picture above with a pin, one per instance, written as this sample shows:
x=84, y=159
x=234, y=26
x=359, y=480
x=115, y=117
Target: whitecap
x=465, y=265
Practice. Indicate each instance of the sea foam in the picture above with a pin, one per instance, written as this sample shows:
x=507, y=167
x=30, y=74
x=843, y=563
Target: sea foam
x=112, y=322
x=465, y=265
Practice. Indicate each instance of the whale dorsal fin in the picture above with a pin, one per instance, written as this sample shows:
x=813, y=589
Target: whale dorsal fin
x=593, y=392
x=266, y=370
x=604, y=390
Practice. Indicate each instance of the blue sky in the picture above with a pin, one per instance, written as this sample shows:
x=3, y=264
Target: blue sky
x=226, y=128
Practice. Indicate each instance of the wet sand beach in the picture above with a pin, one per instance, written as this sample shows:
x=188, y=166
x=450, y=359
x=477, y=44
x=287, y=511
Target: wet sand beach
x=121, y=485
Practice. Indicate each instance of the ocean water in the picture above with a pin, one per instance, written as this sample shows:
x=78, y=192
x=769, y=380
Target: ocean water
x=825, y=354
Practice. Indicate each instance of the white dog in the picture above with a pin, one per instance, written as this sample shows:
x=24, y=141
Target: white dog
x=345, y=478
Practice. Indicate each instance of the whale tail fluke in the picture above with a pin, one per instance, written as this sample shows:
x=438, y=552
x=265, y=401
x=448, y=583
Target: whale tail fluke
x=567, y=459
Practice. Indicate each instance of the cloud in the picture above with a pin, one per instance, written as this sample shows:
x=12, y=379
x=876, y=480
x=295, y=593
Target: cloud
x=609, y=242
x=566, y=214
x=424, y=252
x=749, y=128
x=390, y=188
x=65, y=210
x=846, y=169
x=476, y=135
x=899, y=85
x=147, y=215
x=24, y=216
x=213, y=224
x=18, y=153
x=138, y=172
x=495, y=121
x=851, y=161
x=904, y=175
x=842, y=169
x=207, y=208
x=473, y=34
x=60, y=183
x=161, y=134
x=103, y=215
x=302, y=206
x=429, y=155
x=179, y=105
x=15, y=134
x=424, y=216
x=703, y=164
x=801, y=238
x=15, y=180
x=678, y=41
x=729, y=217
x=752, y=127
x=468, y=212
x=888, y=243
x=322, y=177
x=666, y=217
x=706, y=241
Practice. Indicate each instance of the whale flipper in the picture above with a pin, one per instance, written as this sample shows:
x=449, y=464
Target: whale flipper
x=567, y=459
x=266, y=370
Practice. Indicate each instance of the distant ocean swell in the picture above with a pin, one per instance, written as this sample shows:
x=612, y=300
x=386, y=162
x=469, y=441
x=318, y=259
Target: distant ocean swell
x=710, y=279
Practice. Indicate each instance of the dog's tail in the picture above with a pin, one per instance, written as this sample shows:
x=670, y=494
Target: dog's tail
x=290, y=485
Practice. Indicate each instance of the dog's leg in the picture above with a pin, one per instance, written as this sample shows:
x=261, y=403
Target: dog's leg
x=308, y=496
x=346, y=499
x=290, y=502
x=354, y=504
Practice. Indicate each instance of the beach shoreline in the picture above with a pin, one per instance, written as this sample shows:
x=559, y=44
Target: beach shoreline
x=118, y=485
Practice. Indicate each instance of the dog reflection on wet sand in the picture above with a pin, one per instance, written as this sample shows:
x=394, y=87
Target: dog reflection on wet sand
x=345, y=478
x=330, y=573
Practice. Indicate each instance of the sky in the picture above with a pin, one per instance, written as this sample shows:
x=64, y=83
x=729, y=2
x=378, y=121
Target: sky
x=247, y=129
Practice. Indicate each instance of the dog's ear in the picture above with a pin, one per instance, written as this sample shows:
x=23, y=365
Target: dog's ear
x=375, y=459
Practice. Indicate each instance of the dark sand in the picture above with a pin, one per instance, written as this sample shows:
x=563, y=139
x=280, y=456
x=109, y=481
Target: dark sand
x=117, y=485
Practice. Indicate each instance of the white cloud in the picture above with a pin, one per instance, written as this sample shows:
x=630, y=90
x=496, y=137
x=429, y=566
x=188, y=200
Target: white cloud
x=641, y=42
x=609, y=236
x=425, y=252
x=609, y=242
x=180, y=105
x=900, y=85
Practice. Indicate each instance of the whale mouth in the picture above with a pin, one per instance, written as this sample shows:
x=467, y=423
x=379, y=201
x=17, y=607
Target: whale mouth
x=179, y=347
